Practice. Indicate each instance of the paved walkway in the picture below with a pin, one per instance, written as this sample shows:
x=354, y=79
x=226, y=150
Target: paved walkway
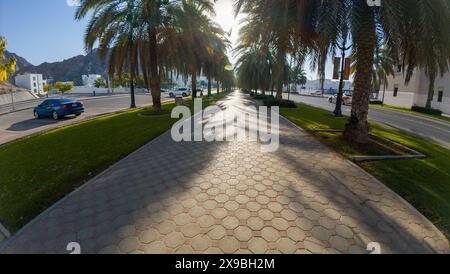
x=232, y=198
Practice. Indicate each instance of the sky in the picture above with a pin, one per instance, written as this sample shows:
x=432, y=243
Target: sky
x=45, y=30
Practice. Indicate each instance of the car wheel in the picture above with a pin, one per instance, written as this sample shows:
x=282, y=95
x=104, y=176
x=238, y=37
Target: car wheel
x=171, y=95
x=78, y=114
x=55, y=115
x=184, y=95
x=330, y=100
x=36, y=115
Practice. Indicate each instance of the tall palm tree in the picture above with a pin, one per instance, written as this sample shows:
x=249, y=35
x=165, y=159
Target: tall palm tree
x=114, y=25
x=411, y=31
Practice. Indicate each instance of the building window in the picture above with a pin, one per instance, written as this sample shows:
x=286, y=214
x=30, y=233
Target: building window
x=395, y=91
x=34, y=78
x=34, y=84
x=440, y=96
x=35, y=91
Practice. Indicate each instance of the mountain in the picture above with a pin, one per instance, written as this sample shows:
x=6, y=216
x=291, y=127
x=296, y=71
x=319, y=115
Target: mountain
x=67, y=70
x=21, y=62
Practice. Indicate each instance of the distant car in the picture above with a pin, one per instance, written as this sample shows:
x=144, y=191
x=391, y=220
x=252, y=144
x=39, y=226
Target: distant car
x=346, y=99
x=180, y=92
x=58, y=108
x=163, y=90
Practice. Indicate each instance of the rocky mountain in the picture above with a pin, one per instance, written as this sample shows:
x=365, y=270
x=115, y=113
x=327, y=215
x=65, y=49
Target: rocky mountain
x=67, y=70
x=21, y=62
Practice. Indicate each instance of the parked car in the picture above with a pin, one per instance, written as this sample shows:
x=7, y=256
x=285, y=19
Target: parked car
x=180, y=92
x=346, y=99
x=58, y=108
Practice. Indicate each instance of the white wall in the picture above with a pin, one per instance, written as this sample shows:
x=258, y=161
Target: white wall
x=416, y=92
x=90, y=90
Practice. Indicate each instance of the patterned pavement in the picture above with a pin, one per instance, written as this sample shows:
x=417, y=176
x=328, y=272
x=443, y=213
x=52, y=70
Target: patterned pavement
x=230, y=197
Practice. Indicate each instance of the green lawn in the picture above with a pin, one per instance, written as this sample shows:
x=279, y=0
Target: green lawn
x=425, y=183
x=442, y=118
x=41, y=169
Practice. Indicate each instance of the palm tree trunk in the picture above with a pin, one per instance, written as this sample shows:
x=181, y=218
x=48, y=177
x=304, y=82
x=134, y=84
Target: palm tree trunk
x=194, y=85
x=133, y=98
x=357, y=130
x=155, y=81
x=209, y=86
x=281, y=62
x=430, y=97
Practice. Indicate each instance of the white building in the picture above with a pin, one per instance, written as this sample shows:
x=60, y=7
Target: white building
x=312, y=86
x=33, y=82
x=416, y=92
x=89, y=80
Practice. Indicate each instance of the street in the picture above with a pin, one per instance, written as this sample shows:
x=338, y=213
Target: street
x=428, y=128
x=22, y=123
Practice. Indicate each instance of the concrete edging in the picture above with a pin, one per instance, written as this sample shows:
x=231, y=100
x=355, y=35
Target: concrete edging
x=364, y=158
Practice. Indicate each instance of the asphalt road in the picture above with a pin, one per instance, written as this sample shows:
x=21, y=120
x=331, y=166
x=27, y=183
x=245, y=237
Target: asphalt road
x=22, y=123
x=428, y=128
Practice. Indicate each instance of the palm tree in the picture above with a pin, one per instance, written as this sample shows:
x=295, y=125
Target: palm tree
x=383, y=67
x=152, y=18
x=415, y=32
x=114, y=26
x=255, y=69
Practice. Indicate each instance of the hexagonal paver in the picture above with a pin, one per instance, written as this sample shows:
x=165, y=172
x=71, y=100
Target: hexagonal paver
x=304, y=224
x=242, y=199
x=230, y=222
x=270, y=234
x=219, y=213
x=242, y=214
x=243, y=233
x=148, y=236
x=231, y=205
x=280, y=224
x=201, y=243
x=197, y=212
x=296, y=234
x=217, y=233
x=275, y=207
x=321, y=233
x=344, y=231
x=327, y=222
x=265, y=214
x=257, y=245
x=255, y=223
x=289, y=215
x=166, y=227
x=206, y=221
x=191, y=230
x=174, y=239
x=222, y=198
x=155, y=248
x=286, y=246
x=129, y=244
x=339, y=243
x=311, y=215
x=229, y=245
x=182, y=219
x=253, y=206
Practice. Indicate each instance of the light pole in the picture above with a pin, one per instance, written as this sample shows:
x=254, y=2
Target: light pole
x=338, y=110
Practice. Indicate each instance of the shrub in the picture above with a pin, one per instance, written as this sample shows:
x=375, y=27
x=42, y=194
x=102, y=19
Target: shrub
x=376, y=102
x=430, y=111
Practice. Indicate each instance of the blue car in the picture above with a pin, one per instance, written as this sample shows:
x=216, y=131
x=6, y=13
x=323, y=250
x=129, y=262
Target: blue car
x=58, y=108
